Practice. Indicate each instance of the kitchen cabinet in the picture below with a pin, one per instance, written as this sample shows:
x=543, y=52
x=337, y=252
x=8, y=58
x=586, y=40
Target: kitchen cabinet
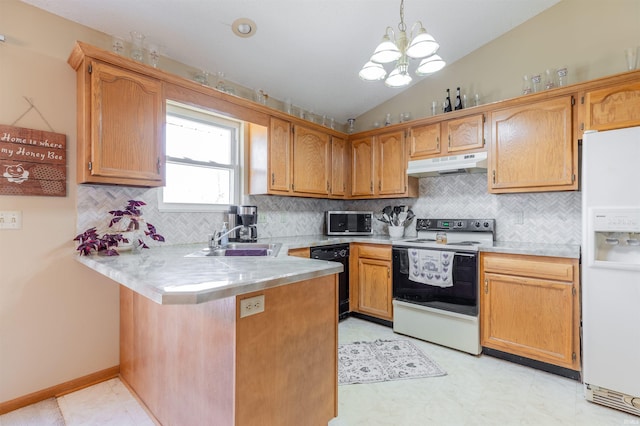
x=379, y=167
x=311, y=171
x=530, y=306
x=298, y=160
x=121, y=115
x=187, y=363
x=612, y=107
x=424, y=141
x=370, y=280
x=300, y=252
x=464, y=133
x=362, y=171
x=447, y=137
x=339, y=167
x=279, y=156
x=532, y=147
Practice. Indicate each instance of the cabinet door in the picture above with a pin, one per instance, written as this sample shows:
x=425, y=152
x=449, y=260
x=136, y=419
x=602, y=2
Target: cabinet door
x=374, y=288
x=424, y=141
x=530, y=317
x=362, y=167
x=532, y=148
x=465, y=133
x=339, y=167
x=279, y=155
x=612, y=107
x=311, y=161
x=392, y=164
x=127, y=120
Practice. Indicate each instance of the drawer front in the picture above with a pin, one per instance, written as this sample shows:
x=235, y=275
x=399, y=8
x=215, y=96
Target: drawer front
x=382, y=252
x=560, y=269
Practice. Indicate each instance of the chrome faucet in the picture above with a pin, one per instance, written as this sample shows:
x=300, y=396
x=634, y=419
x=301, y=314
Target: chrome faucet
x=214, y=239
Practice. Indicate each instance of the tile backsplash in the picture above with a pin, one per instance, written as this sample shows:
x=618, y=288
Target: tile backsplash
x=550, y=217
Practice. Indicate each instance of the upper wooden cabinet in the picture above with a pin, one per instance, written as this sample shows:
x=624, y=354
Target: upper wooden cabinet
x=447, y=137
x=279, y=156
x=311, y=161
x=530, y=306
x=362, y=167
x=293, y=159
x=611, y=107
x=339, y=167
x=379, y=167
x=532, y=147
x=121, y=115
x=465, y=133
x=424, y=141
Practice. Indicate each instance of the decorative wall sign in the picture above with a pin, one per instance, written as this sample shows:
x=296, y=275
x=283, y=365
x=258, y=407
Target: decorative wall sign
x=32, y=162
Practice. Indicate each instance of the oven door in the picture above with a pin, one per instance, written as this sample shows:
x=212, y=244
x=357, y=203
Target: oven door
x=461, y=298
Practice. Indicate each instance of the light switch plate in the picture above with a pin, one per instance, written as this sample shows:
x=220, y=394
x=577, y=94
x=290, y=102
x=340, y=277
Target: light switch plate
x=10, y=219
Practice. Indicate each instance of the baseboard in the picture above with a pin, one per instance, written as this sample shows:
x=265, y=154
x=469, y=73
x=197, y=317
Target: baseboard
x=369, y=318
x=539, y=365
x=59, y=390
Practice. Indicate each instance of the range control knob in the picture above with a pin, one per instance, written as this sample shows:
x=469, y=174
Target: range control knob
x=476, y=224
x=459, y=224
x=486, y=224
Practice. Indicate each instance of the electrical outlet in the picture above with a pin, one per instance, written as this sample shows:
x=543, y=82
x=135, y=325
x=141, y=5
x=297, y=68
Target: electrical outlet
x=11, y=219
x=519, y=217
x=251, y=306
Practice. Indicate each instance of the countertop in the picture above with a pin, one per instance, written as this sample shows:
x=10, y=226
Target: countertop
x=532, y=249
x=166, y=276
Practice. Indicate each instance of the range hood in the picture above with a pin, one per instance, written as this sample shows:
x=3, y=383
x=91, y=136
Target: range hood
x=463, y=163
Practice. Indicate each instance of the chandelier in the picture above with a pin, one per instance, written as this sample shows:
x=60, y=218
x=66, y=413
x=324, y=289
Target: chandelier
x=400, y=49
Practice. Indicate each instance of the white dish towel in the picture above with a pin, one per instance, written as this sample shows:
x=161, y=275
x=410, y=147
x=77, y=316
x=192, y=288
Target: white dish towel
x=432, y=267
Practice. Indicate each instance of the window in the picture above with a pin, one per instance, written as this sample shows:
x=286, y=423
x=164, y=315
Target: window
x=202, y=160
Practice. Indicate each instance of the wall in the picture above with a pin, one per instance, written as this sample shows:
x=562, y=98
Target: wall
x=584, y=35
x=59, y=321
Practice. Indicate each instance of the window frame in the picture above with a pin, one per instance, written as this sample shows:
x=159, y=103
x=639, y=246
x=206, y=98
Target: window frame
x=237, y=157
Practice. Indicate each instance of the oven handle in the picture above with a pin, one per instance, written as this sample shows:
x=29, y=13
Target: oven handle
x=467, y=254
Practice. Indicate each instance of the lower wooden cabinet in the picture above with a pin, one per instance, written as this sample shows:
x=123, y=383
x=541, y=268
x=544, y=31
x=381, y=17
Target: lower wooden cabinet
x=530, y=306
x=370, y=280
x=300, y=252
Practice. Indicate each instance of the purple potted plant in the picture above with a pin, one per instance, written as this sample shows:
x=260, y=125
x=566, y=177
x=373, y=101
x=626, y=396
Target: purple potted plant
x=129, y=221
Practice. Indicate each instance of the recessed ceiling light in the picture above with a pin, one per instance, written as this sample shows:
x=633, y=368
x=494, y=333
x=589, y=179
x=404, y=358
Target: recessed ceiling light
x=244, y=27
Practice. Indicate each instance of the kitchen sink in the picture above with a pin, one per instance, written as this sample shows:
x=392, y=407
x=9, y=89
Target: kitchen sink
x=240, y=249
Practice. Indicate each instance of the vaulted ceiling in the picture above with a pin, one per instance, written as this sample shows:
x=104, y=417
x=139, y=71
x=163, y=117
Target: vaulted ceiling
x=309, y=51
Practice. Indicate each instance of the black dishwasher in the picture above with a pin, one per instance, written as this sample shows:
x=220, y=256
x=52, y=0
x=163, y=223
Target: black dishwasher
x=337, y=253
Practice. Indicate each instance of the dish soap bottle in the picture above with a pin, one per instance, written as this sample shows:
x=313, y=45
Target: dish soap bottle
x=224, y=236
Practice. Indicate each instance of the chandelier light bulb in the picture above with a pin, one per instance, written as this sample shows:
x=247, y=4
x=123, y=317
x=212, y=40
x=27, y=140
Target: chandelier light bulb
x=395, y=47
x=399, y=77
x=372, y=72
x=430, y=65
x=423, y=45
x=386, y=52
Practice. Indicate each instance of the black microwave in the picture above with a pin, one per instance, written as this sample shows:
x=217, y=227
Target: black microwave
x=348, y=223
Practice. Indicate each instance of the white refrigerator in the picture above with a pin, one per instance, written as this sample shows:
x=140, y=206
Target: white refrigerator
x=611, y=268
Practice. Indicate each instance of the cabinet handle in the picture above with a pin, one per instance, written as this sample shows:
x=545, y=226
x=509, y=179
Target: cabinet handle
x=449, y=141
x=486, y=286
x=379, y=185
x=388, y=272
x=494, y=176
x=328, y=189
x=371, y=187
x=438, y=143
x=158, y=165
x=273, y=178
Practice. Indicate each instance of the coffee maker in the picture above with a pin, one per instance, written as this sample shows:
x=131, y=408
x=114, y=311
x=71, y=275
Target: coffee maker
x=245, y=216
